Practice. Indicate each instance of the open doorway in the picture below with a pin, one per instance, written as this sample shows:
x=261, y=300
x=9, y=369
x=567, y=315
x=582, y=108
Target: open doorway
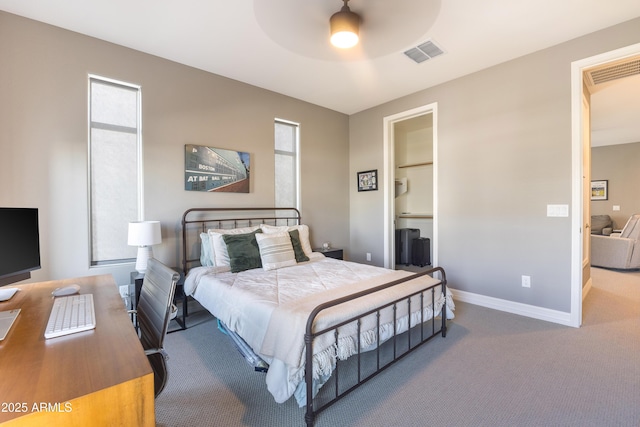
x=615, y=140
x=581, y=172
x=410, y=185
x=615, y=151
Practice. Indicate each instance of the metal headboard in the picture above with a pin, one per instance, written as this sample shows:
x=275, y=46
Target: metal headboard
x=197, y=220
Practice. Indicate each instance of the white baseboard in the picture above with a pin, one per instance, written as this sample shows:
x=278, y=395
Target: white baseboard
x=526, y=310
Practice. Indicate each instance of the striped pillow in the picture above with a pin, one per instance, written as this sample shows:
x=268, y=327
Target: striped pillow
x=276, y=250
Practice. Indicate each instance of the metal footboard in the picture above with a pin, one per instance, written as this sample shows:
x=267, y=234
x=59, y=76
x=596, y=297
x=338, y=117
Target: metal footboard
x=384, y=354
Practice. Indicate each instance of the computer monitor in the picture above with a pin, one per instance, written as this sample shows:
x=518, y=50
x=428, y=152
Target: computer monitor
x=19, y=244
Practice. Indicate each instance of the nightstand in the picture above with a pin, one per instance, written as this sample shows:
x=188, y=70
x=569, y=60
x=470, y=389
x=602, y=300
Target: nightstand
x=331, y=253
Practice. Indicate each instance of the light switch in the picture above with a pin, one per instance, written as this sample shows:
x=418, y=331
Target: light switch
x=557, y=210
x=616, y=207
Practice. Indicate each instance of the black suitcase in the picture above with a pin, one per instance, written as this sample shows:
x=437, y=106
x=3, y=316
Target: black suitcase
x=404, y=239
x=421, y=251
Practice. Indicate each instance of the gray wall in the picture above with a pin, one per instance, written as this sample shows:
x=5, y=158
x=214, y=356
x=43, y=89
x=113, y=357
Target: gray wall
x=504, y=154
x=619, y=165
x=43, y=141
x=504, y=142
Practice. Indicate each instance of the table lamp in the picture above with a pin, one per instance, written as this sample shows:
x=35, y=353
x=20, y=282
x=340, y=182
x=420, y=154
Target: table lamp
x=144, y=234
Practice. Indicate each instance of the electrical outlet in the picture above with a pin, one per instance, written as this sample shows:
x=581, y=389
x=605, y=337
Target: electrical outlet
x=124, y=291
x=368, y=256
x=526, y=281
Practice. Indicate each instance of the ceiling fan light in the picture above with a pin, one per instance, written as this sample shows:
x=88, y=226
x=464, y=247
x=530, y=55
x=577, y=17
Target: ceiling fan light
x=345, y=27
x=344, y=39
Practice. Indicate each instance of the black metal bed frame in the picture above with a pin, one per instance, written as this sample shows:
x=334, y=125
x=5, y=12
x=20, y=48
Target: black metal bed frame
x=279, y=216
x=397, y=353
x=289, y=216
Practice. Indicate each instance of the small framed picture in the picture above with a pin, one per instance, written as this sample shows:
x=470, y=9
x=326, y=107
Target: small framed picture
x=600, y=190
x=368, y=180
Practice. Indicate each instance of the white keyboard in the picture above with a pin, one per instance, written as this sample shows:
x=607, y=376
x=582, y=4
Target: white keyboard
x=71, y=314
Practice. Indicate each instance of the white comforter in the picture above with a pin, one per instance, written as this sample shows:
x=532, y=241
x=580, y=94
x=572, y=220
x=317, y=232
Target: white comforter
x=269, y=310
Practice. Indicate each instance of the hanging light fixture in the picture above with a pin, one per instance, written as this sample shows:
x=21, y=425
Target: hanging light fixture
x=345, y=27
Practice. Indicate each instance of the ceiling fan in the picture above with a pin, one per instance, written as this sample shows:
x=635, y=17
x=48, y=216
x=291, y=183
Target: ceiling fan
x=345, y=27
x=380, y=27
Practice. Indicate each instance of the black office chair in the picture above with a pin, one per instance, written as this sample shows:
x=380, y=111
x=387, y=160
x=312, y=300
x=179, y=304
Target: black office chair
x=154, y=313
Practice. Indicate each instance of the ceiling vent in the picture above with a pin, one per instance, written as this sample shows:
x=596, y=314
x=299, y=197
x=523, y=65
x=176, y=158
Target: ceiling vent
x=616, y=71
x=426, y=50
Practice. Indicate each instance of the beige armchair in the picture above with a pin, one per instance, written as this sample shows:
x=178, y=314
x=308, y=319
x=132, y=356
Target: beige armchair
x=619, y=250
x=601, y=224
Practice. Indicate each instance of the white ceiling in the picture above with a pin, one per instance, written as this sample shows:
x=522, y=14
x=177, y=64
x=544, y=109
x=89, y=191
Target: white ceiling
x=615, y=112
x=282, y=45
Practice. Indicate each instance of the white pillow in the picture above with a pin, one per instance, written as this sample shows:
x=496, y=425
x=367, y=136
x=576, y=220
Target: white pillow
x=219, y=253
x=206, y=257
x=303, y=232
x=276, y=250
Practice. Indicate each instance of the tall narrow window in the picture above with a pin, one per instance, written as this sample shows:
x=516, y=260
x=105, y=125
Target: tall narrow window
x=287, y=185
x=114, y=168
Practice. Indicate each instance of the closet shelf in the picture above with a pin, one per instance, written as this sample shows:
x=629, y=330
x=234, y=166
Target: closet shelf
x=415, y=215
x=411, y=165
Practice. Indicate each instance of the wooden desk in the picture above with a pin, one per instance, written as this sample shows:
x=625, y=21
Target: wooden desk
x=99, y=377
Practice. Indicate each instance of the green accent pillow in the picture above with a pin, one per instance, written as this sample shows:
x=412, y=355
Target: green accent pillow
x=244, y=253
x=297, y=246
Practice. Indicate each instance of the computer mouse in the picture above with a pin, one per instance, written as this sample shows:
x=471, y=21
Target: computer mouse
x=7, y=293
x=66, y=290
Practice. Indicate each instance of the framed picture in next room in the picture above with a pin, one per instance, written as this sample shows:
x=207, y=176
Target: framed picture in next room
x=600, y=190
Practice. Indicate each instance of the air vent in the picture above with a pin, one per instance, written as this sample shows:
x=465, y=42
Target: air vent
x=426, y=50
x=612, y=72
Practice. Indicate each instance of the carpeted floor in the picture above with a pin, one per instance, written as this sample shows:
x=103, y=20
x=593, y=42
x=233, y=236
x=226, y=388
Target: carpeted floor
x=493, y=369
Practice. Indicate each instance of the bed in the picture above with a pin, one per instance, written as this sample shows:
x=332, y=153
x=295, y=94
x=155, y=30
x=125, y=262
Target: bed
x=319, y=327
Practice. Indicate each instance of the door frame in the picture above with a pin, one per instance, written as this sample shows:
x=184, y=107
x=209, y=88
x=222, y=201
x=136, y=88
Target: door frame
x=389, y=176
x=577, y=171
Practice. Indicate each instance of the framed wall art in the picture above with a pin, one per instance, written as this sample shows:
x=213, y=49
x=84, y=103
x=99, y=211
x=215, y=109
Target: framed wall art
x=368, y=180
x=600, y=190
x=216, y=169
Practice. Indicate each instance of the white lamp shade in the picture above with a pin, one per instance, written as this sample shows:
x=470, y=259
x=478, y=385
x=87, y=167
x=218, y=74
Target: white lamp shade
x=144, y=233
